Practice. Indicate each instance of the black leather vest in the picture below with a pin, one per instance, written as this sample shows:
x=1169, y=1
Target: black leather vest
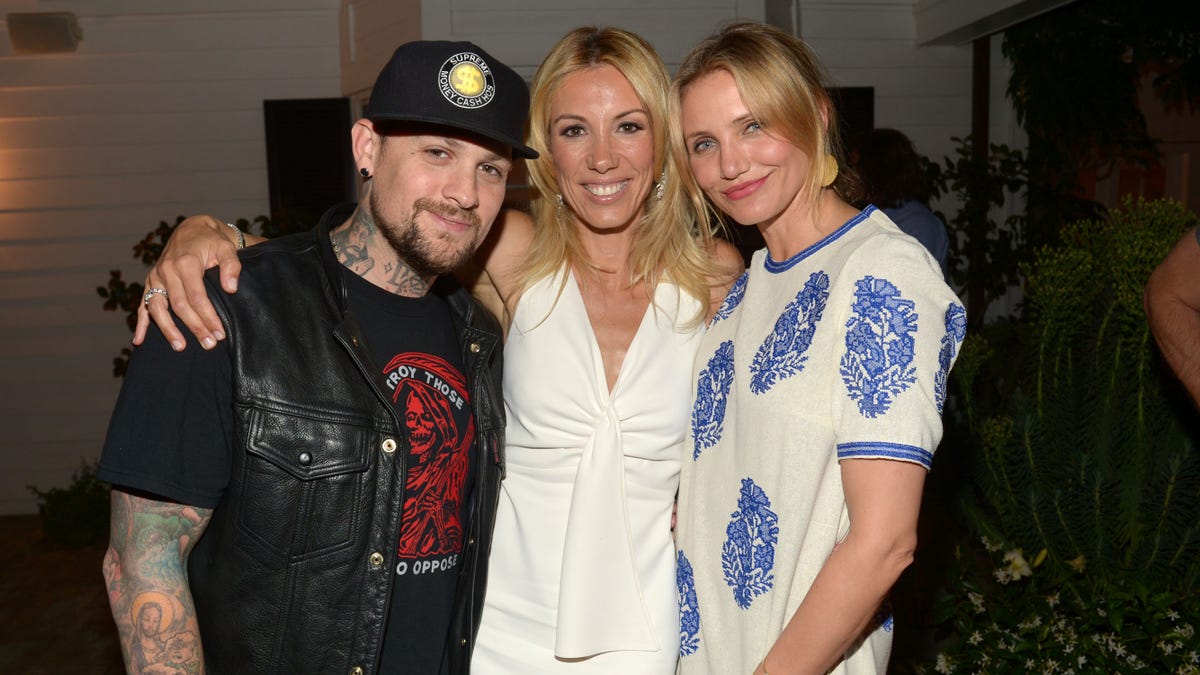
x=295, y=571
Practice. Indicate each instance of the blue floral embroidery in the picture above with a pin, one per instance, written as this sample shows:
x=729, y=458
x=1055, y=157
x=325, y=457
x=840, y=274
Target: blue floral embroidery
x=748, y=556
x=884, y=617
x=732, y=299
x=880, y=332
x=689, y=608
x=956, y=330
x=782, y=353
x=712, y=392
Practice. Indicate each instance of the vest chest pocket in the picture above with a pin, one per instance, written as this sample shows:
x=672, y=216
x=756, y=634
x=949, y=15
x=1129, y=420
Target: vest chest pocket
x=302, y=485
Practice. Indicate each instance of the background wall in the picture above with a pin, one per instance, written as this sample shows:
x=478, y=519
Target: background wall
x=159, y=113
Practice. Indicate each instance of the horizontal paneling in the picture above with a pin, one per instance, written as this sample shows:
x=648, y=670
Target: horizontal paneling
x=158, y=97
x=135, y=220
x=30, y=163
x=158, y=113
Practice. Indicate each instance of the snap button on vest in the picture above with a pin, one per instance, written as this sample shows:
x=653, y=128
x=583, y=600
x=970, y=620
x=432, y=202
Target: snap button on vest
x=376, y=559
x=474, y=348
x=388, y=446
x=305, y=459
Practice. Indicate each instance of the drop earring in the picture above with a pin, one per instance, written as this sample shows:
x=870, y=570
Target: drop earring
x=660, y=188
x=559, y=198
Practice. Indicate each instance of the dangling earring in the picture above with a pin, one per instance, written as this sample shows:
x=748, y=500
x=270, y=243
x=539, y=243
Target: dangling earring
x=829, y=171
x=364, y=173
x=660, y=188
x=558, y=197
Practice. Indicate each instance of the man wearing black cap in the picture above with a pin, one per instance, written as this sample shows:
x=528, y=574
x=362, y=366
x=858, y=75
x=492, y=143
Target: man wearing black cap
x=317, y=493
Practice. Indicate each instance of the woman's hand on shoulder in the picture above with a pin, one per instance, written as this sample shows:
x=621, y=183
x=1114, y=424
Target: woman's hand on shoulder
x=730, y=265
x=200, y=242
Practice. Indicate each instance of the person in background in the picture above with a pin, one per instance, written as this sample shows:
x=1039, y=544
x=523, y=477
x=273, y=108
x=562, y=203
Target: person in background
x=890, y=170
x=818, y=386
x=1172, y=299
x=317, y=493
x=608, y=287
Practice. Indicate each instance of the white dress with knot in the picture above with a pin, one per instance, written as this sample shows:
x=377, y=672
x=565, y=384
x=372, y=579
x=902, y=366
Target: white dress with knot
x=582, y=571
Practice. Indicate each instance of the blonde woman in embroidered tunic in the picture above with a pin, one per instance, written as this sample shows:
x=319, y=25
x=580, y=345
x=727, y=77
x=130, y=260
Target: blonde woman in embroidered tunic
x=818, y=387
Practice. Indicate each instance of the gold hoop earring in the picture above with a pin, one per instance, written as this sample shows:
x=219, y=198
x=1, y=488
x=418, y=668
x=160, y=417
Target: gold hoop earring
x=829, y=171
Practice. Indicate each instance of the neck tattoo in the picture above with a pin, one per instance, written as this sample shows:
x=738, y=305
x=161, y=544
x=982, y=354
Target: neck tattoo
x=356, y=245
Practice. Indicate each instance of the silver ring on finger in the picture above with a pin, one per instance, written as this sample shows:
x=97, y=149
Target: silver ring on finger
x=150, y=294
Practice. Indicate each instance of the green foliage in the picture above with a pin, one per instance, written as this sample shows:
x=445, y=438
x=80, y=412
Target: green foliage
x=1012, y=615
x=984, y=256
x=1095, y=456
x=76, y=515
x=1074, y=85
x=126, y=296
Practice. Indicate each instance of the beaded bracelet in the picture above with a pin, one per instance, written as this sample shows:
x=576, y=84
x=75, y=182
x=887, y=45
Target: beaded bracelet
x=241, y=238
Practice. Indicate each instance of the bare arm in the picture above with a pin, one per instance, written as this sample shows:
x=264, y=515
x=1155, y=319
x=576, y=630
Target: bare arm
x=145, y=572
x=883, y=498
x=200, y=242
x=730, y=262
x=1172, y=300
x=501, y=254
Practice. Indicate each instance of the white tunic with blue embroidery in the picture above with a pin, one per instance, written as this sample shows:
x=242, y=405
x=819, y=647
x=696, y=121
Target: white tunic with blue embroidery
x=839, y=352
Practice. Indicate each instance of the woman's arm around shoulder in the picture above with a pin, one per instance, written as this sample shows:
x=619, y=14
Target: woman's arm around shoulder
x=503, y=251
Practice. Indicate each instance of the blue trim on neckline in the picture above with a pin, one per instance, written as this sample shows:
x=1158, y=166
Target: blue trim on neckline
x=778, y=267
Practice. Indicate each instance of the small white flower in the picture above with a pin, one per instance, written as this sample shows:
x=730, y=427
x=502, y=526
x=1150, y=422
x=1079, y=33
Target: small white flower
x=942, y=665
x=1017, y=566
x=1052, y=600
x=975, y=638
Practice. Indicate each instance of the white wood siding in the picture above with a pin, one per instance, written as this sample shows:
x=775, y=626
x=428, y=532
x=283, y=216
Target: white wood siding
x=158, y=113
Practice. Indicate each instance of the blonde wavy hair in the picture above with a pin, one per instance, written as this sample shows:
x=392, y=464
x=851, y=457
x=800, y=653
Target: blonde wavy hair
x=784, y=86
x=668, y=242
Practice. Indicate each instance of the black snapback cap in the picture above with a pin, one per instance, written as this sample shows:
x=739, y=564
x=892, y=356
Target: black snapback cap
x=453, y=84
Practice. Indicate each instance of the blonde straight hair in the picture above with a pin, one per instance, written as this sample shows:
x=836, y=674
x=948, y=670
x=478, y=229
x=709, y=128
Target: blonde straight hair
x=669, y=242
x=783, y=85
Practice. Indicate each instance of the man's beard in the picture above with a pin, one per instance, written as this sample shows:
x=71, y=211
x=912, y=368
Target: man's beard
x=416, y=250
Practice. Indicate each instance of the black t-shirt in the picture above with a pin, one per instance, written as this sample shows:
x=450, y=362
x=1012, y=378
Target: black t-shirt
x=171, y=435
x=415, y=347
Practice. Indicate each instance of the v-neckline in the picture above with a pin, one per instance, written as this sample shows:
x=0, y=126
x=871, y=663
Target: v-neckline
x=597, y=353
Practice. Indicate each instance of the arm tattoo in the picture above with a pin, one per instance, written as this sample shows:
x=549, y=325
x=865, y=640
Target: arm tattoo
x=145, y=571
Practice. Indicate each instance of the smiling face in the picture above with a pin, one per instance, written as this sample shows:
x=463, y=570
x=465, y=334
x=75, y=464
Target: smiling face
x=602, y=147
x=434, y=197
x=752, y=175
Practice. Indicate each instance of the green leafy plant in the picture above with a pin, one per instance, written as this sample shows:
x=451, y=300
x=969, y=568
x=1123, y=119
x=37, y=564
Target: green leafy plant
x=1095, y=457
x=76, y=515
x=984, y=255
x=1010, y=614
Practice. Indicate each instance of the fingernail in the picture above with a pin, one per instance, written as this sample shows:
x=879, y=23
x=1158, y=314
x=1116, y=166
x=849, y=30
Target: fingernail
x=220, y=335
x=232, y=286
x=208, y=343
x=177, y=345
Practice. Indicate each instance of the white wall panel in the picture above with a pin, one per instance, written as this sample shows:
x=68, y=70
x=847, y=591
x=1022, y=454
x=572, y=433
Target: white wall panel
x=158, y=113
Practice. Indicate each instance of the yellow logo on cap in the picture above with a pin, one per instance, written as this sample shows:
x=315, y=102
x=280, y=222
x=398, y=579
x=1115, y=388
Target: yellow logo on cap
x=465, y=79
